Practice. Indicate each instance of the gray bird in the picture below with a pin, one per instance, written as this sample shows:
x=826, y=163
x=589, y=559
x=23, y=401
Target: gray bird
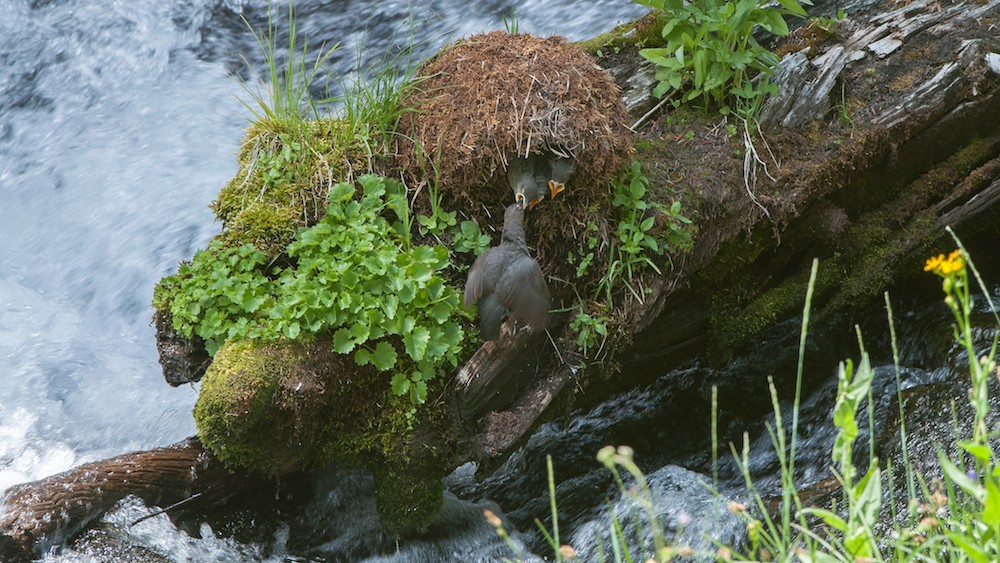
x=506, y=281
x=533, y=176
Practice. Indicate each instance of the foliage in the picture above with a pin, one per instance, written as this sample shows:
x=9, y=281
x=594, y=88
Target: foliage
x=371, y=98
x=469, y=238
x=354, y=275
x=646, y=232
x=864, y=498
x=829, y=24
x=956, y=520
x=511, y=24
x=646, y=229
x=439, y=220
x=588, y=328
x=974, y=527
x=285, y=96
x=712, y=52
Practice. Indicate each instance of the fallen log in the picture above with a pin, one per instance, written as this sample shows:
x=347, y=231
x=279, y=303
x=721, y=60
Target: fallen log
x=39, y=514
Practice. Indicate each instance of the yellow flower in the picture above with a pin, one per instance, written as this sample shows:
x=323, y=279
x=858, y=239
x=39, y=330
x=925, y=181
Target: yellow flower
x=933, y=262
x=945, y=266
x=492, y=518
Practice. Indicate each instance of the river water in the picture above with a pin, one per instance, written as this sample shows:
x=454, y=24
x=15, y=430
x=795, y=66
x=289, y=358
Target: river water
x=119, y=122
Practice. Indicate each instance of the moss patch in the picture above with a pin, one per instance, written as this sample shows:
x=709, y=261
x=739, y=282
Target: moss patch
x=284, y=176
x=407, y=500
x=270, y=407
x=641, y=32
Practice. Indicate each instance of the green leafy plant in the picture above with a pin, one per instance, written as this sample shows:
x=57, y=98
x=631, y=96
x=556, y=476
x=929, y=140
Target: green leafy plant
x=355, y=276
x=588, y=329
x=974, y=502
x=468, y=238
x=587, y=253
x=829, y=24
x=439, y=220
x=711, y=51
x=864, y=497
x=646, y=230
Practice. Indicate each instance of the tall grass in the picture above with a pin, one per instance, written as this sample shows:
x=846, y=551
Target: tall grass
x=284, y=96
x=371, y=97
x=954, y=517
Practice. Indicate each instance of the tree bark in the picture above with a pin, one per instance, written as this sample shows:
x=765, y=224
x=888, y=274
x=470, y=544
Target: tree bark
x=36, y=515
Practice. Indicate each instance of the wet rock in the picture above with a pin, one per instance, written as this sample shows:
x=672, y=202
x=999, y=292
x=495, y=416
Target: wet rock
x=183, y=359
x=686, y=510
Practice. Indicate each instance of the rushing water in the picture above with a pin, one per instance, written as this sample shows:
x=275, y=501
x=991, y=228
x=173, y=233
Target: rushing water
x=118, y=125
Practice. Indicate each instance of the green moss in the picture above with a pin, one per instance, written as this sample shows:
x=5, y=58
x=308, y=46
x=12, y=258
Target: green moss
x=234, y=413
x=407, y=500
x=281, y=406
x=267, y=226
x=270, y=407
x=286, y=171
x=873, y=247
x=641, y=32
x=403, y=448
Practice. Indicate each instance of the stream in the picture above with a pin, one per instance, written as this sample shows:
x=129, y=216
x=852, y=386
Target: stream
x=119, y=123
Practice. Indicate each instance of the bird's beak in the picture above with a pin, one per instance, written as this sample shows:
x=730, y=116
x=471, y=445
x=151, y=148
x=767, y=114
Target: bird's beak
x=534, y=202
x=556, y=187
x=519, y=198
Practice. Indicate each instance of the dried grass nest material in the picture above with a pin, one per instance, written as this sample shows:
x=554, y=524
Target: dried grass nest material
x=492, y=96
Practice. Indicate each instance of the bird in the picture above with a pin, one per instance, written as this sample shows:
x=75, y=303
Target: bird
x=530, y=176
x=506, y=281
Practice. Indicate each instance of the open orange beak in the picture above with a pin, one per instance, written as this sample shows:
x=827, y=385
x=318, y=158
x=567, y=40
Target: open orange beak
x=556, y=187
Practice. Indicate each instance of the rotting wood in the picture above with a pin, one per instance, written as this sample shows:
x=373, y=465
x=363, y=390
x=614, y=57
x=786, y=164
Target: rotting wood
x=39, y=514
x=813, y=92
x=497, y=373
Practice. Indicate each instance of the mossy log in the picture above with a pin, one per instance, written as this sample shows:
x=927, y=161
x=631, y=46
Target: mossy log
x=887, y=131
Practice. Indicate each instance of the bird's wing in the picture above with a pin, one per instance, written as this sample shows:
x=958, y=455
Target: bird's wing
x=491, y=315
x=523, y=290
x=479, y=282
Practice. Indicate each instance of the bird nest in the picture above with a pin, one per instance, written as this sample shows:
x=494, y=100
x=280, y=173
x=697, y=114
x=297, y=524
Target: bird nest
x=493, y=96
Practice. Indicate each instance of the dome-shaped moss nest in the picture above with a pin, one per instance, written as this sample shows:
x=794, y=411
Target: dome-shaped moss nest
x=493, y=96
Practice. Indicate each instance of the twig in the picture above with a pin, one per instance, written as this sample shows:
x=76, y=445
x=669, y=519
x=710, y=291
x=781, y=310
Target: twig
x=649, y=113
x=554, y=347
x=171, y=507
